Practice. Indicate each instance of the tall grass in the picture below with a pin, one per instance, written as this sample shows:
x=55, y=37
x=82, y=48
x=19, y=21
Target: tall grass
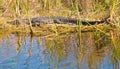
x=71, y=5
x=30, y=8
x=18, y=7
x=46, y=4
x=58, y=2
x=112, y=9
x=26, y=7
x=76, y=7
x=116, y=49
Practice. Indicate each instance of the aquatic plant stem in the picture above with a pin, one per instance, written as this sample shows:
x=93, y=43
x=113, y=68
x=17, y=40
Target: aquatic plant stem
x=26, y=6
x=17, y=7
x=112, y=10
x=79, y=26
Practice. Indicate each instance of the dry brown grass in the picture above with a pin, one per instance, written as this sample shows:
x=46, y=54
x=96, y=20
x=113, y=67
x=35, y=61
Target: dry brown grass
x=66, y=8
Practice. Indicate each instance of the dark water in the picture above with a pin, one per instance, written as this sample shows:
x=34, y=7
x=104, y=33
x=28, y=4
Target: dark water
x=61, y=52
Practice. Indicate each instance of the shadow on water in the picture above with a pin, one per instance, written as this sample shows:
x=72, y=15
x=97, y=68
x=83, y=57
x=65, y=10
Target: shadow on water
x=18, y=51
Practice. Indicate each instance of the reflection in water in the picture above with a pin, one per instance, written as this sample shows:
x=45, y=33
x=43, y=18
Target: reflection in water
x=61, y=52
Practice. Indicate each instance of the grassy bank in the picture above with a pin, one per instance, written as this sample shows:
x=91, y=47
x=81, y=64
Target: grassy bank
x=80, y=9
x=88, y=9
x=67, y=8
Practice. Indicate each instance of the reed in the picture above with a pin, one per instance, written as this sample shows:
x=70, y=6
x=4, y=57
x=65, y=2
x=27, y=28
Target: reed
x=26, y=7
x=76, y=7
x=112, y=9
x=116, y=49
x=18, y=7
x=46, y=4
x=115, y=56
x=22, y=7
x=58, y=2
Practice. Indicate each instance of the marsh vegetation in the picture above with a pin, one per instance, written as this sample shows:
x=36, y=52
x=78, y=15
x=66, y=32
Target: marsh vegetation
x=54, y=46
x=79, y=9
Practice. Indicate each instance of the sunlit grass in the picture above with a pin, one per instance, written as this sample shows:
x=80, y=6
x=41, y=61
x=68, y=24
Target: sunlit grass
x=116, y=49
x=18, y=7
x=112, y=9
x=71, y=8
x=12, y=9
x=26, y=7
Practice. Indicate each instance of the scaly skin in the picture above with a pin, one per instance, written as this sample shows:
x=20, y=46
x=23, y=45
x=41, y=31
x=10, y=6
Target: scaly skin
x=37, y=20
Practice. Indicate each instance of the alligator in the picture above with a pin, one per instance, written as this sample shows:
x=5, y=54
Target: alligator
x=48, y=20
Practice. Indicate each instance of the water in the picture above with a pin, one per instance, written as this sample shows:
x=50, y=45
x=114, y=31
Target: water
x=61, y=52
